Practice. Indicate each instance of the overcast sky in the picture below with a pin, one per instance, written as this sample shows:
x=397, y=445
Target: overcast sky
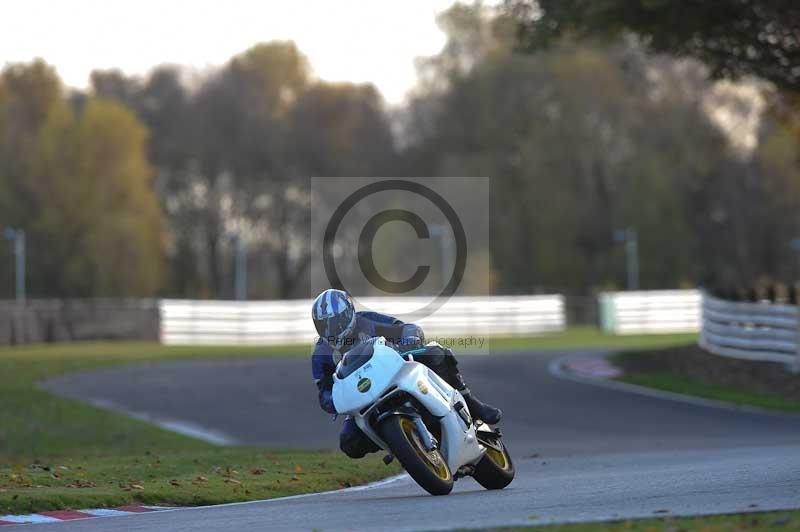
x=354, y=40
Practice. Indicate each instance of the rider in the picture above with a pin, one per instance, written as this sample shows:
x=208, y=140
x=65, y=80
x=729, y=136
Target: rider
x=340, y=327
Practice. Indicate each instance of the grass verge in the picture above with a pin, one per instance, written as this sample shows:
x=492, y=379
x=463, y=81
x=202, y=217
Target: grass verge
x=690, y=370
x=57, y=453
x=180, y=478
x=589, y=337
x=686, y=386
x=772, y=521
x=35, y=424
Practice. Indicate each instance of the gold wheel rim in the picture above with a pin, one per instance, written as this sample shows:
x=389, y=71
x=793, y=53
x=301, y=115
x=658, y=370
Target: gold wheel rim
x=432, y=459
x=498, y=457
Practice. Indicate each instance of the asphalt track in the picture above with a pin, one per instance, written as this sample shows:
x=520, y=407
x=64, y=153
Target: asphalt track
x=582, y=452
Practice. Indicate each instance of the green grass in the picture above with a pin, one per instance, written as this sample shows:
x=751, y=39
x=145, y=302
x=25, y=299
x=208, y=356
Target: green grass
x=590, y=337
x=36, y=424
x=678, y=384
x=772, y=521
x=182, y=478
x=105, y=453
x=664, y=380
x=96, y=457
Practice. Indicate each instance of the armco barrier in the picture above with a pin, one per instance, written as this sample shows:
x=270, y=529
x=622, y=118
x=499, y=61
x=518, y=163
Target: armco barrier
x=648, y=312
x=289, y=321
x=754, y=331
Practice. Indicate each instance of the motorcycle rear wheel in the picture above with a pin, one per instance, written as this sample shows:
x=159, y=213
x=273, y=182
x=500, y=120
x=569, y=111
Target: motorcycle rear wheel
x=495, y=470
x=428, y=468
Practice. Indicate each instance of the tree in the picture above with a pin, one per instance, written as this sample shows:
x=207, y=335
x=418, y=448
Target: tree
x=340, y=129
x=99, y=219
x=233, y=157
x=334, y=130
x=236, y=154
x=746, y=215
x=733, y=37
x=162, y=103
x=80, y=184
x=744, y=212
x=29, y=94
x=579, y=142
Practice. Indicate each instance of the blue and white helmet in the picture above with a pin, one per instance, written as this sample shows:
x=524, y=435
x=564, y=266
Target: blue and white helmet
x=334, y=316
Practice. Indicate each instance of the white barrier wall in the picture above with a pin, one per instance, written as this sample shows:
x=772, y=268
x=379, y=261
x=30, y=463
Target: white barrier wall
x=649, y=312
x=289, y=321
x=754, y=331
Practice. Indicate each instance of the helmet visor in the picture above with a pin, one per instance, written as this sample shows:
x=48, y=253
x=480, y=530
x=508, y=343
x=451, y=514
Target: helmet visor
x=336, y=326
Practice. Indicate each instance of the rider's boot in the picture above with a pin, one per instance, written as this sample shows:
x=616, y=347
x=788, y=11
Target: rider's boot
x=480, y=410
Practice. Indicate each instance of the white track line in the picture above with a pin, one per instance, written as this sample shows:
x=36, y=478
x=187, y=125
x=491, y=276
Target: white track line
x=29, y=519
x=186, y=428
x=106, y=512
x=351, y=489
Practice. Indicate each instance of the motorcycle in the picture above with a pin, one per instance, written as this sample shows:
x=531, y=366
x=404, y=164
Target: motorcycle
x=414, y=415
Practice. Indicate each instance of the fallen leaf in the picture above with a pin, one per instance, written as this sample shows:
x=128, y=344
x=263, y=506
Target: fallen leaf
x=201, y=478
x=175, y=483
x=233, y=481
x=78, y=483
x=298, y=469
x=137, y=487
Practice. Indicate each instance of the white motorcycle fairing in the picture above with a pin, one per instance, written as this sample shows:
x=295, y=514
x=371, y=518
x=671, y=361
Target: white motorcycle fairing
x=386, y=376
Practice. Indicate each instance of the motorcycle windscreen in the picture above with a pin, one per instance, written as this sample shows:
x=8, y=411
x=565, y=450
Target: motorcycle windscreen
x=355, y=358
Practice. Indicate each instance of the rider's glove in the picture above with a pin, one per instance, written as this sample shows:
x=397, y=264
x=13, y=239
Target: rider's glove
x=325, y=386
x=326, y=401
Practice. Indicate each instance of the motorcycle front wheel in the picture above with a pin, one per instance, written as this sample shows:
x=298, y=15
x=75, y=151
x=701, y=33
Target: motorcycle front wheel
x=428, y=468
